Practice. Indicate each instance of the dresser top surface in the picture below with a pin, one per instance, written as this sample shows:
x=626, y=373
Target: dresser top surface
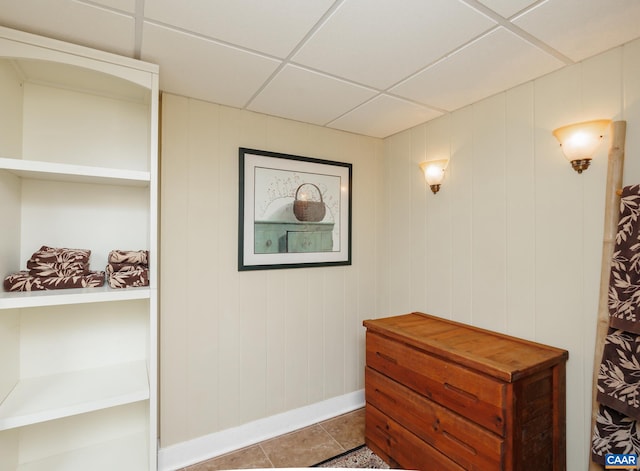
x=495, y=354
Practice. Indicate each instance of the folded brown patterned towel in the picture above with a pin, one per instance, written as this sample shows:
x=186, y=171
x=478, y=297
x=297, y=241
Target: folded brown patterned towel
x=23, y=281
x=123, y=267
x=60, y=255
x=129, y=279
x=57, y=268
x=128, y=268
x=138, y=257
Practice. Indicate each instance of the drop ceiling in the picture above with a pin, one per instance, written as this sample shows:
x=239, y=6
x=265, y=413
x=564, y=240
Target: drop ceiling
x=373, y=67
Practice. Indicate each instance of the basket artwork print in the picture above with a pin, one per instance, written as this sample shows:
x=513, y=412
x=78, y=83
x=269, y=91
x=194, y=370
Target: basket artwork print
x=294, y=211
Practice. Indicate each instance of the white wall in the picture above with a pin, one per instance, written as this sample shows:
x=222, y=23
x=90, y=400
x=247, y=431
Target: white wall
x=513, y=240
x=237, y=347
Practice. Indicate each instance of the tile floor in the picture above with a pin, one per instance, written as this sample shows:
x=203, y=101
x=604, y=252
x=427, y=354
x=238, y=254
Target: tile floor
x=302, y=448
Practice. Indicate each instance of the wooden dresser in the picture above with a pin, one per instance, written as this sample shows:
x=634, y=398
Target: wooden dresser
x=442, y=395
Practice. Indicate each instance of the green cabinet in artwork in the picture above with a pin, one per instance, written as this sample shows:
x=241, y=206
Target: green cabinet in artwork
x=281, y=237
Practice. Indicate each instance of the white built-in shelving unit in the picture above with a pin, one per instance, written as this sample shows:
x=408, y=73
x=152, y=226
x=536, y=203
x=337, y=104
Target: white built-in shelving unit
x=78, y=169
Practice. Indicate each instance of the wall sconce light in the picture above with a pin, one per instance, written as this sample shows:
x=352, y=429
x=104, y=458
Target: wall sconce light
x=434, y=173
x=579, y=141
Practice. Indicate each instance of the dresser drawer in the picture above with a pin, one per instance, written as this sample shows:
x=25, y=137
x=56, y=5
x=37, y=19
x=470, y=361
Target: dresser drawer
x=401, y=448
x=299, y=241
x=269, y=241
x=478, y=397
x=466, y=443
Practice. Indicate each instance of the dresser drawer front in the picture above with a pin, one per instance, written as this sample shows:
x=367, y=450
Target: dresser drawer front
x=466, y=443
x=478, y=397
x=299, y=241
x=269, y=242
x=402, y=448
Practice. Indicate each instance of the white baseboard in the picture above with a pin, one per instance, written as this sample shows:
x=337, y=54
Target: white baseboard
x=209, y=446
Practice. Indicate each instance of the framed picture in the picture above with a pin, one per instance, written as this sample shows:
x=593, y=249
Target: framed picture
x=294, y=211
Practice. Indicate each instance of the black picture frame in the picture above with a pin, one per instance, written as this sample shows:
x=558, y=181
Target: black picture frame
x=294, y=211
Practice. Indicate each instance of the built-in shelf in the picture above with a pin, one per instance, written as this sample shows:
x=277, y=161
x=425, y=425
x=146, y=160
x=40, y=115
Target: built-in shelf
x=78, y=168
x=38, y=170
x=36, y=400
x=58, y=297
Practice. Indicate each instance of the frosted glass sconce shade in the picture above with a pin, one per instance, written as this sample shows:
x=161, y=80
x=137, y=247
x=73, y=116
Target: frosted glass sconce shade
x=434, y=173
x=579, y=141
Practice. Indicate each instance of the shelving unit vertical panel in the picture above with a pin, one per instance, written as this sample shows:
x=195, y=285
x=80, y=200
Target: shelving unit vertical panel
x=153, y=367
x=154, y=193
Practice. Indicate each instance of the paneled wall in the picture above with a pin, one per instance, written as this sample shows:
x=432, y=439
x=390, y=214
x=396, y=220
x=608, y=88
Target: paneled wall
x=237, y=347
x=513, y=240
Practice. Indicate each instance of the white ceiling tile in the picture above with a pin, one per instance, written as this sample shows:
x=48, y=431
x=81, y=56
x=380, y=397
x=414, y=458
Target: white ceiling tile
x=288, y=54
x=71, y=21
x=492, y=64
x=384, y=116
x=507, y=8
x=307, y=96
x=379, y=42
x=197, y=67
x=579, y=28
x=273, y=27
